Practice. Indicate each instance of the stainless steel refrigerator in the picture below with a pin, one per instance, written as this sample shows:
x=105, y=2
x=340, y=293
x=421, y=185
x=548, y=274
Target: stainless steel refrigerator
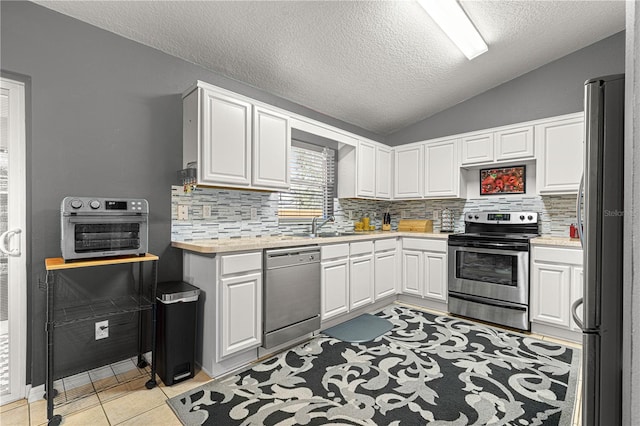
x=601, y=238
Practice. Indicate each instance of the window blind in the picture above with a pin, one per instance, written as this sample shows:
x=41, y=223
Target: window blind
x=313, y=183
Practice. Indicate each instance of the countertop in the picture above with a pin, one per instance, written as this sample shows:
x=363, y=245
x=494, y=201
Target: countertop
x=258, y=243
x=556, y=241
x=226, y=245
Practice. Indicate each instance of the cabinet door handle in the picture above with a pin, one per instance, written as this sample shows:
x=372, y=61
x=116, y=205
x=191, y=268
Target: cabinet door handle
x=4, y=242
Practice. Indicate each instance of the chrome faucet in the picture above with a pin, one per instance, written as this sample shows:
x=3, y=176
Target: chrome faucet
x=314, y=224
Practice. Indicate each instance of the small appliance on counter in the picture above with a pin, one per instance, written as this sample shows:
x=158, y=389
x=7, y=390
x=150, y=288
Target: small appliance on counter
x=448, y=222
x=93, y=227
x=415, y=225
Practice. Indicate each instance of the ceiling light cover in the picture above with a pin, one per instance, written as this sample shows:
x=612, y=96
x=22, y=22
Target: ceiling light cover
x=455, y=23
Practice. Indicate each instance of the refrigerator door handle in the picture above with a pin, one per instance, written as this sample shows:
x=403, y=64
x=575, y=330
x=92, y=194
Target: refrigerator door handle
x=574, y=313
x=579, y=210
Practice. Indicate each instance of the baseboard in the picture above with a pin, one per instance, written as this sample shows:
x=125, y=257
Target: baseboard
x=437, y=306
x=35, y=393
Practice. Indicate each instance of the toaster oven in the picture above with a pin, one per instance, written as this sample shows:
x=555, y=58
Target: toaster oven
x=94, y=227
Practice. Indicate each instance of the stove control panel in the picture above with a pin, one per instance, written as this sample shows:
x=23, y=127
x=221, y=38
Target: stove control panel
x=502, y=217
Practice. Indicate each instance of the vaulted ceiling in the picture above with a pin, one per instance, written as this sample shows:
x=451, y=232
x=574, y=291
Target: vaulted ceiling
x=380, y=65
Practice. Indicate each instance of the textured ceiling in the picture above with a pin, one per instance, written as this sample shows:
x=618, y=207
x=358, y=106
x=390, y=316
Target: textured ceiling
x=380, y=65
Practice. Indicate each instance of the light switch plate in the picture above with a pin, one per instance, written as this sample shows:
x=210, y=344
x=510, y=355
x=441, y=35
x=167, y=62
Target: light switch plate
x=206, y=211
x=254, y=213
x=405, y=214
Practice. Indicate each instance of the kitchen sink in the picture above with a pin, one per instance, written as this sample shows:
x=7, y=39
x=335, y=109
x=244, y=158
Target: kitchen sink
x=335, y=234
x=325, y=234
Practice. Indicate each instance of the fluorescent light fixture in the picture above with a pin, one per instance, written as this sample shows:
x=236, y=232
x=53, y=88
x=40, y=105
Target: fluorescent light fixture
x=449, y=15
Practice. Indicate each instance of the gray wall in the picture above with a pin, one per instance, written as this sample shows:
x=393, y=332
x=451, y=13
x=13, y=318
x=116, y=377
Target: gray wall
x=553, y=89
x=106, y=121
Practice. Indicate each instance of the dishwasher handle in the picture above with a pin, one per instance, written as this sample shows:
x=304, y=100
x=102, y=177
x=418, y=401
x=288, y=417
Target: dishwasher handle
x=285, y=258
x=291, y=251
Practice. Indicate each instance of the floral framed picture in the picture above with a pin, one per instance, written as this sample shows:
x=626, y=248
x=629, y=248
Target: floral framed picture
x=505, y=180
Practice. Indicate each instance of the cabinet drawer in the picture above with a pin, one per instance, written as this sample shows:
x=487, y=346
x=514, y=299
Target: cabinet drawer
x=424, y=244
x=557, y=255
x=385, y=245
x=362, y=247
x=244, y=262
x=334, y=251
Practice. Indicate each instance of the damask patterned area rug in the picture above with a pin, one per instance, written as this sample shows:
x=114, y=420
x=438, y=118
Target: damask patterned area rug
x=428, y=369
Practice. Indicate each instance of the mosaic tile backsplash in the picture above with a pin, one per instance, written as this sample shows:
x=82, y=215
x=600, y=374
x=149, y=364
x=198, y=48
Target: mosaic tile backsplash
x=230, y=213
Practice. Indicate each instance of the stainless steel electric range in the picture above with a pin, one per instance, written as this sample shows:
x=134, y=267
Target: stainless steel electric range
x=489, y=267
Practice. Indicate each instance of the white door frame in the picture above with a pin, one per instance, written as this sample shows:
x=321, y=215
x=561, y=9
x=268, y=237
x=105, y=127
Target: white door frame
x=17, y=219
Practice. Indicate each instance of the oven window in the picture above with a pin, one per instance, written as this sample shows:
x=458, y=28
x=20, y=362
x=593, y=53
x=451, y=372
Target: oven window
x=106, y=237
x=487, y=267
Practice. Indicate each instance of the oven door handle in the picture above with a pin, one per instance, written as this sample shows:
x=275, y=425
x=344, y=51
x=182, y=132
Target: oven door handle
x=107, y=219
x=492, y=245
x=497, y=250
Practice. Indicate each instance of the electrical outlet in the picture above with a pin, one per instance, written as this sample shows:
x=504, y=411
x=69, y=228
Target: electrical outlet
x=350, y=213
x=405, y=214
x=254, y=213
x=206, y=211
x=183, y=212
x=436, y=214
x=102, y=329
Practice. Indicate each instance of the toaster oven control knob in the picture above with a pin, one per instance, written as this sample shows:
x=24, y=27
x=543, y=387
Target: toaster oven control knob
x=470, y=216
x=530, y=217
x=94, y=204
x=522, y=217
x=76, y=204
x=477, y=217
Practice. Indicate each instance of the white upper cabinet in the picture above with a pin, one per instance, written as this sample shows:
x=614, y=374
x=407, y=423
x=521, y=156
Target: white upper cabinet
x=366, y=170
x=225, y=145
x=383, y=172
x=234, y=142
x=442, y=169
x=560, y=153
x=408, y=166
x=514, y=143
x=477, y=148
x=501, y=144
x=271, y=149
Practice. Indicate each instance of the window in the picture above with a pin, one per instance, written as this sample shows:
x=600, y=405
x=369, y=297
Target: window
x=313, y=183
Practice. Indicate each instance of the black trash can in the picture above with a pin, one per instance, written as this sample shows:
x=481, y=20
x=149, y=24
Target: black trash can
x=177, y=311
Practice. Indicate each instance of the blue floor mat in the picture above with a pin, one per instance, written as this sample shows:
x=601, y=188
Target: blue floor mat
x=362, y=328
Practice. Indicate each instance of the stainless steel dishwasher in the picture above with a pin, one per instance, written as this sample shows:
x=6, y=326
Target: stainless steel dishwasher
x=291, y=294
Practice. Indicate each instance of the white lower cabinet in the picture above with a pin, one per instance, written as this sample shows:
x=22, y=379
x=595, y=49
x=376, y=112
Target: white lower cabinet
x=385, y=273
x=361, y=272
x=240, y=313
x=361, y=281
x=412, y=272
x=435, y=273
x=551, y=293
x=357, y=274
x=556, y=282
x=231, y=308
x=335, y=288
x=424, y=268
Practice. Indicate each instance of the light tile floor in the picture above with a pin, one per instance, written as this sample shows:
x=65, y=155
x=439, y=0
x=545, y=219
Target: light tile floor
x=116, y=395
x=111, y=395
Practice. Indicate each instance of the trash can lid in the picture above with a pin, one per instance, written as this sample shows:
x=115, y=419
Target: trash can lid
x=173, y=290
